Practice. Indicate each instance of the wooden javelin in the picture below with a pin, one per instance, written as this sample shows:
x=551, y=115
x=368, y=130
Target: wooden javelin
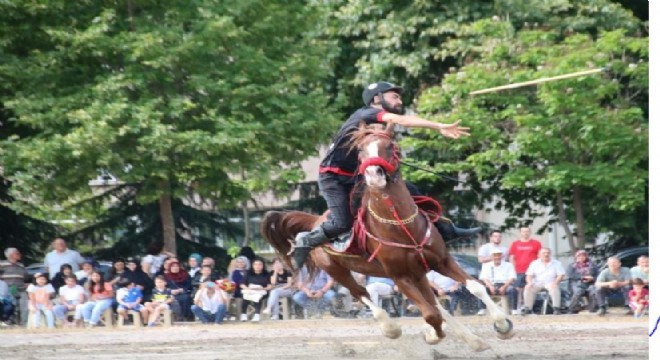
x=538, y=81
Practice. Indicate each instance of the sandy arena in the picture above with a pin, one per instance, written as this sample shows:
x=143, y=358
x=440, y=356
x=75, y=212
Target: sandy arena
x=583, y=336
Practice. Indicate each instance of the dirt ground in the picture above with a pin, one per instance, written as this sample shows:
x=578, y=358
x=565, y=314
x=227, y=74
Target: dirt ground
x=583, y=336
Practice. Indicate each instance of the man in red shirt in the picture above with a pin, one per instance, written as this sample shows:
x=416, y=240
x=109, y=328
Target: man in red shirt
x=521, y=253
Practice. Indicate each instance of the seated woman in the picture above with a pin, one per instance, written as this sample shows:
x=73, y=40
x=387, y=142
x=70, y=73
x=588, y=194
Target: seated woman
x=205, y=274
x=281, y=282
x=180, y=284
x=100, y=299
x=254, y=288
x=83, y=275
x=59, y=279
x=140, y=278
x=581, y=274
x=117, y=272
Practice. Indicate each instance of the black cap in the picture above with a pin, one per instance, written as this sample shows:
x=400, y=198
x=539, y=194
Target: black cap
x=376, y=88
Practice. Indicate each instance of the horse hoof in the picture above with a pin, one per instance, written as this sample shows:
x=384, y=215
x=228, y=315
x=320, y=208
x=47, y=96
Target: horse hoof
x=392, y=332
x=482, y=347
x=432, y=338
x=504, y=334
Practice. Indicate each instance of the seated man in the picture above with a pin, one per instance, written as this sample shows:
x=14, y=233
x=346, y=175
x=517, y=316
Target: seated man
x=499, y=277
x=614, y=279
x=443, y=285
x=380, y=286
x=210, y=303
x=641, y=271
x=377, y=286
x=6, y=304
x=581, y=275
x=319, y=288
x=543, y=273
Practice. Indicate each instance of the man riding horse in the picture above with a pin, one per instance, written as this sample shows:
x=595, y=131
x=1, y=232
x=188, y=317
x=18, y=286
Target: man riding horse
x=337, y=176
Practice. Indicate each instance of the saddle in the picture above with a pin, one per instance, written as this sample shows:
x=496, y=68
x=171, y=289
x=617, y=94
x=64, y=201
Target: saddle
x=347, y=243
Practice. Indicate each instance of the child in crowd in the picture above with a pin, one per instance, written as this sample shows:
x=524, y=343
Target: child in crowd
x=638, y=298
x=39, y=294
x=129, y=298
x=161, y=298
x=210, y=303
x=71, y=295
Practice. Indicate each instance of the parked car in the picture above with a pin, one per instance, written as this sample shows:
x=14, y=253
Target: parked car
x=628, y=256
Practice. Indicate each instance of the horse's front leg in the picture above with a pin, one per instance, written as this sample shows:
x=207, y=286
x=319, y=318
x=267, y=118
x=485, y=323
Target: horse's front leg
x=503, y=326
x=463, y=332
x=420, y=294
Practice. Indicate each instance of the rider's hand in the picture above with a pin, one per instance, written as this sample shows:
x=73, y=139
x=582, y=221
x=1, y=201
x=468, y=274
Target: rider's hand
x=453, y=130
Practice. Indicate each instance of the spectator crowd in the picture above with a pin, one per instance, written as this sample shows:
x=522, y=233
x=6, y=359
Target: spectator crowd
x=74, y=292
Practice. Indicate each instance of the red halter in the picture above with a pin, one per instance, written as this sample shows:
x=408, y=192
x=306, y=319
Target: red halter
x=377, y=161
x=390, y=167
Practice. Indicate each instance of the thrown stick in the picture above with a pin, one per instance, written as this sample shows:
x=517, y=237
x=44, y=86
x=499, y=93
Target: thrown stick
x=538, y=81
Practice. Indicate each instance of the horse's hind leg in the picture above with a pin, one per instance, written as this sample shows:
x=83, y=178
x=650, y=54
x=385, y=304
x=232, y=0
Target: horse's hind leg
x=503, y=326
x=342, y=275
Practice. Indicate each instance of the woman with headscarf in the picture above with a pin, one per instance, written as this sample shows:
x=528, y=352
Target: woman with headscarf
x=180, y=283
x=194, y=264
x=140, y=278
x=238, y=275
x=581, y=275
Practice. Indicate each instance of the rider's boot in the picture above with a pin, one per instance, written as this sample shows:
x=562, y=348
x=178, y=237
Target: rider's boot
x=305, y=242
x=449, y=231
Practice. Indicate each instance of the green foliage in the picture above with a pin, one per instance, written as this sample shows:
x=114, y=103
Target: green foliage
x=473, y=45
x=589, y=132
x=160, y=92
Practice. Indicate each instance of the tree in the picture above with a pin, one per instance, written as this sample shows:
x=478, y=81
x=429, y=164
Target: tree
x=578, y=146
x=167, y=96
x=422, y=43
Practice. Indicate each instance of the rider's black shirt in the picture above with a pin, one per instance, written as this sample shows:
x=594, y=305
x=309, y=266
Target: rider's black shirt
x=340, y=159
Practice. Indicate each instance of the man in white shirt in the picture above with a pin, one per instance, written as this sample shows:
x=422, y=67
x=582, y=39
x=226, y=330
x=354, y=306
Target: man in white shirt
x=543, y=273
x=61, y=255
x=499, y=277
x=485, y=250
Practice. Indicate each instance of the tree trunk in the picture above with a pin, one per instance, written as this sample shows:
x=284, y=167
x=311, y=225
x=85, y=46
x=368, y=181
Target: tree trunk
x=561, y=213
x=247, y=238
x=167, y=220
x=579, y=216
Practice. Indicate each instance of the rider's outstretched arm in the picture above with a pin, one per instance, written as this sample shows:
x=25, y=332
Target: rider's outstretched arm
x=412, y=121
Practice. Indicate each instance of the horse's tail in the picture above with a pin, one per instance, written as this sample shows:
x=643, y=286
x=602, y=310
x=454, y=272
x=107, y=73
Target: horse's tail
x=280, y=228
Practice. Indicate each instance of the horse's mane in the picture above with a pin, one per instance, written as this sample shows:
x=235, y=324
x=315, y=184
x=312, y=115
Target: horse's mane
x=365, y=131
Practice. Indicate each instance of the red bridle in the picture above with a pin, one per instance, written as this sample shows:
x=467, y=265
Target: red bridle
x=390, y=166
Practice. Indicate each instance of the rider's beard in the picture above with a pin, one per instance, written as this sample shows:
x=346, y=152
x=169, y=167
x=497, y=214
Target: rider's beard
x=387, y=106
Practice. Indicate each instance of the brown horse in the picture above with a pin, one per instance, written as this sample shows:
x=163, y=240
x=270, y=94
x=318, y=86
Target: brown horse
x=400, y=239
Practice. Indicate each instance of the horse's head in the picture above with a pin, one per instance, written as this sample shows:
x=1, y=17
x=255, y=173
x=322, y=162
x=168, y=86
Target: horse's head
x=378, y=154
